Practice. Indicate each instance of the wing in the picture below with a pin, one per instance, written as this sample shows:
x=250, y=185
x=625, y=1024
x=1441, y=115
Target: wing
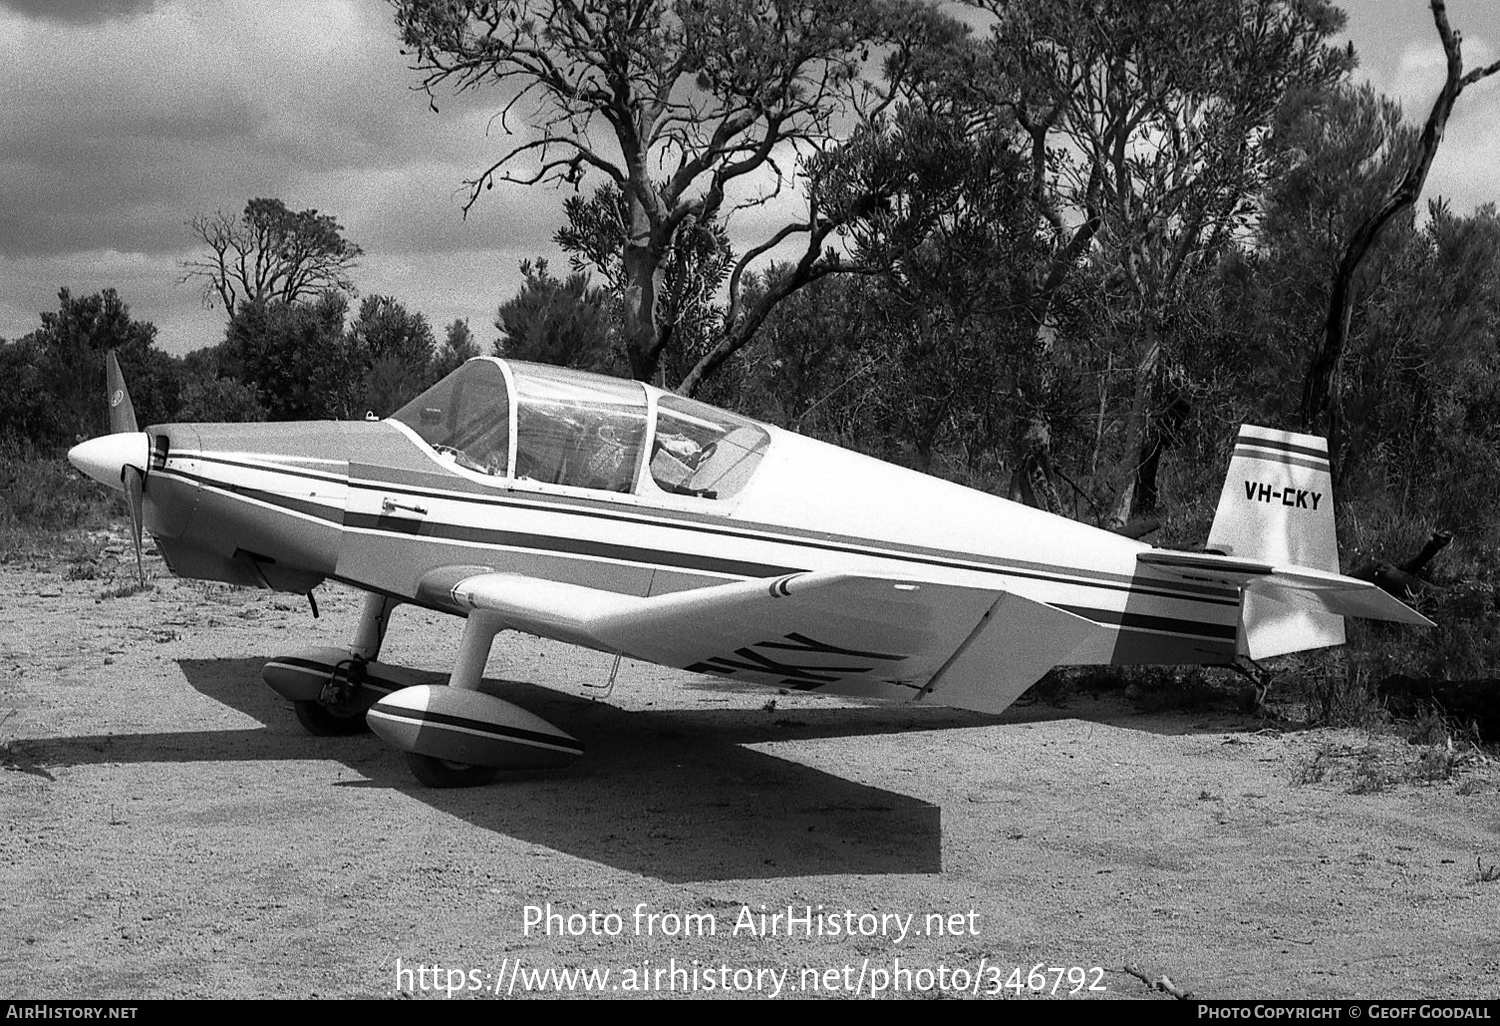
x=1298, y=586
x=844, y=634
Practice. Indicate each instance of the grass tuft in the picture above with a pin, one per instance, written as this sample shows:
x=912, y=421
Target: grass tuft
x=1370, y=776
x=1310, y=770
x=132, y=587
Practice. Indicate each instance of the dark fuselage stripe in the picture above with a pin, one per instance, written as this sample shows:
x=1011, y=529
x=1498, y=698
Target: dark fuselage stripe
x=270, y=467
x=686, y=520
x=1148, y=622
x=1182, y=591
x=312, y=509
x=571, y=546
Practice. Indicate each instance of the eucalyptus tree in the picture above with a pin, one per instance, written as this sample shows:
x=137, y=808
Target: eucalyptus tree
x=1318, y=383
x=691, y=109
x=1146, y=123
x=270, y=253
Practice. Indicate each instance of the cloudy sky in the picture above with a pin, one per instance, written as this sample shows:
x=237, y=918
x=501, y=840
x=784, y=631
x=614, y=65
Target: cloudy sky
x=121, y=119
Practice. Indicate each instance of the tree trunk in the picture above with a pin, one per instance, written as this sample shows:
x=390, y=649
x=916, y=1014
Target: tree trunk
x=1318, y=389
x=643, y=271
x=1032, y=480
x=1138, y=486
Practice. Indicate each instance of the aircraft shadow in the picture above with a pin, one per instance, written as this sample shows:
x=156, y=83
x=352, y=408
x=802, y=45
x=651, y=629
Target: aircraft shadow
x=696, y=803
x=700, y=804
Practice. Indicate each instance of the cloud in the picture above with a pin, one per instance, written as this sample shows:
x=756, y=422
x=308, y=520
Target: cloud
x=32, y=283
x=77, y=11
x=116, y=134
x=122, y=122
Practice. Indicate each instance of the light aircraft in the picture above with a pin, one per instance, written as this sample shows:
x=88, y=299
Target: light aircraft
x=610, y=514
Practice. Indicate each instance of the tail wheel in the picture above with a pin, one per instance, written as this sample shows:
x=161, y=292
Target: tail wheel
x=442, y=773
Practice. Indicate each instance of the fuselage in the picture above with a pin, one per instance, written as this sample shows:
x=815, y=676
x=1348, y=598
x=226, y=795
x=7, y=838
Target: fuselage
x=622, y=504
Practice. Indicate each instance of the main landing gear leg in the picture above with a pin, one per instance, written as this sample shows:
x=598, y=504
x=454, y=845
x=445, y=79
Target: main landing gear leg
x=340, y=709
x=473, y=653
x=474, y=648
x=369, y=635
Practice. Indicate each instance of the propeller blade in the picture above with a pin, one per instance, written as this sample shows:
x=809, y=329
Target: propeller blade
x=135, y=481
x=122, y=421
x=121, y=411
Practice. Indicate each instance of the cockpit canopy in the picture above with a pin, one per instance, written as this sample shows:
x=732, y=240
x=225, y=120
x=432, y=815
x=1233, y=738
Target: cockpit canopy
x=527, y=422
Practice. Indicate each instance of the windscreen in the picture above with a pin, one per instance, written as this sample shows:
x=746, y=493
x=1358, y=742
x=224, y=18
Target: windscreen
x=465, y=417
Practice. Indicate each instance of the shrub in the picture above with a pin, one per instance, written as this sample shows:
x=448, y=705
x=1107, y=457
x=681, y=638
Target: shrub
x=41, y=493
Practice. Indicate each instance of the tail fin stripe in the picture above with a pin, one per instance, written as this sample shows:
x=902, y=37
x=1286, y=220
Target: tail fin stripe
x=1272, y=457
x=1276, y=443
x=1300, y=450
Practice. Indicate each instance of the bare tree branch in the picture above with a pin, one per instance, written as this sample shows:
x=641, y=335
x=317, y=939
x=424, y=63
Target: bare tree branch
x=269, y=252
x=712, y=89
x=1318, y=410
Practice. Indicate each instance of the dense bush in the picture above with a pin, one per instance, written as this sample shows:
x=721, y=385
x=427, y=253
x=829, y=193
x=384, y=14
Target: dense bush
x=41, y=492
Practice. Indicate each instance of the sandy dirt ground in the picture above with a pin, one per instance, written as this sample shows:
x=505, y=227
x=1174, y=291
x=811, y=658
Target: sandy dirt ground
x=170, y=831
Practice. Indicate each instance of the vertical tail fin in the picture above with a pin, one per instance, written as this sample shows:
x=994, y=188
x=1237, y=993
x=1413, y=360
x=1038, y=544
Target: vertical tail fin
x=1277, y=507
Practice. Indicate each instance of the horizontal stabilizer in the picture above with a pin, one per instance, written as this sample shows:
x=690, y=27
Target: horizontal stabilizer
x=1297, y=586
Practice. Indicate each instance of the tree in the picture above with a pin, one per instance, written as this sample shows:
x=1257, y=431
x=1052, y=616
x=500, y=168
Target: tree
x=27, y=402
x=1317, y=385
x=694, y=269
x=206, y=397
x=1336, y=154
x=389, y=384
x=566, y=323
x=270, y=253
x=65, y=358
x=296, y=357
x=395, y=348
x=815, y=366
x=1421, y=409
x=952, y=246
x=458, y=346
x=384, y=327
x=1147, y=123
x=710, y=95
